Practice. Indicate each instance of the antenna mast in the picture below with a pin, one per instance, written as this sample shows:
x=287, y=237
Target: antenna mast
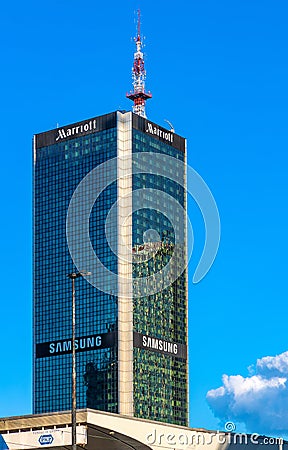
x=138, y=95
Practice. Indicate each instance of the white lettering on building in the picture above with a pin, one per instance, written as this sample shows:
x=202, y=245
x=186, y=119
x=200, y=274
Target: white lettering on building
x=159, y=344
x=82, y=343
x=64, y=133
x=167, y=136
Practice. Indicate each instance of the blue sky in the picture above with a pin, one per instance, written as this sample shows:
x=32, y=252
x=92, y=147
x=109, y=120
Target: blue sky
x=218, y=71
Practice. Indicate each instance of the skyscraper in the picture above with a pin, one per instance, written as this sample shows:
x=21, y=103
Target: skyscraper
x=109, y=198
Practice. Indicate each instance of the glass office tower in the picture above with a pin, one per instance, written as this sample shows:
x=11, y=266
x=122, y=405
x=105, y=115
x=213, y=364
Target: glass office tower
x=131, y=339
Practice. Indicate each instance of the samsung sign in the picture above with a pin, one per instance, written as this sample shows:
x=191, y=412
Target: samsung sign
x=106, y=340
x=86, y=343
x=160, y=345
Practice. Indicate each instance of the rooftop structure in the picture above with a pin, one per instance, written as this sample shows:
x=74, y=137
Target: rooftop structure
x=139, y=95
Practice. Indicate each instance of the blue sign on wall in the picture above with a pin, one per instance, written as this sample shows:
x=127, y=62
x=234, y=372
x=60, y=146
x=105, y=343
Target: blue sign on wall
x=46, y=439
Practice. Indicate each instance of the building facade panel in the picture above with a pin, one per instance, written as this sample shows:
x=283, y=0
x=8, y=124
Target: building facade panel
x=160, y=379
x=58, y=169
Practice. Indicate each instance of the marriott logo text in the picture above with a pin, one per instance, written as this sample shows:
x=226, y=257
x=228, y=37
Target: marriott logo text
x=64, y=133
x=160, y=133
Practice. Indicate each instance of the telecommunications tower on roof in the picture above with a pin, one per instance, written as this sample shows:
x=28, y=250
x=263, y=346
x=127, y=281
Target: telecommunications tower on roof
x=138, y=95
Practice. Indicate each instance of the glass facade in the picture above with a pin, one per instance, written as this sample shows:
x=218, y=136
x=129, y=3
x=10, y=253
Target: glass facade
x=58, y=169
x=159, y=379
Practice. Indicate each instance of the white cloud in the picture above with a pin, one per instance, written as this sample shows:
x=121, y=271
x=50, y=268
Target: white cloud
x=260, y=401
x=278, y=365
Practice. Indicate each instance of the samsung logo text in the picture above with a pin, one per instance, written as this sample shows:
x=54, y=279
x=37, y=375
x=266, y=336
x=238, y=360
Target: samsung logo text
x=159, y=344
x=82, y=343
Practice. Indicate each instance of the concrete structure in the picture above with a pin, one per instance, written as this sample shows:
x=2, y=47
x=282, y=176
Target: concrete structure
x=105, y=431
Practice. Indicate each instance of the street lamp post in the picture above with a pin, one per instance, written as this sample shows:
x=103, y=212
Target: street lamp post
x=73, y=277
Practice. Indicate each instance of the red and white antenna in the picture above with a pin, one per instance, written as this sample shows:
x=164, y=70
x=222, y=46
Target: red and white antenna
x=139, y=96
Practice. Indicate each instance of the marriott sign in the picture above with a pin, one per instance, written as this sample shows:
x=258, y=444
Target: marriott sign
x=64, y=133
x=152, y=129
